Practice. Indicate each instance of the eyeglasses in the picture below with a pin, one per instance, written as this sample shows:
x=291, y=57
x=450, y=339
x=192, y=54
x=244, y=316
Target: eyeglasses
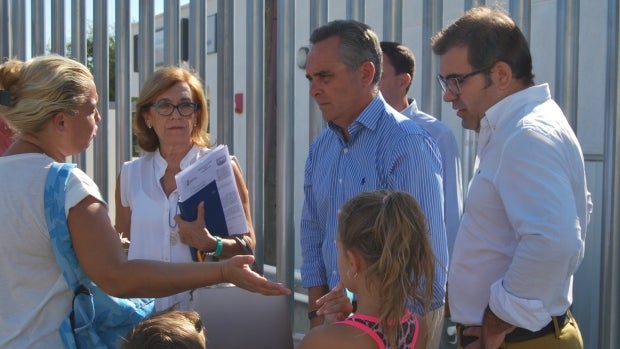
x=164, y=108
x=453, y=83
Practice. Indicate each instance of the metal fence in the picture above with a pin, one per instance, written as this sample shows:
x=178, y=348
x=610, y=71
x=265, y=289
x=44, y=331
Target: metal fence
x=575, y=47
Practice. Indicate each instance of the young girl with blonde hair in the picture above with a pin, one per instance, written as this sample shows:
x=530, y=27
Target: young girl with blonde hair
x=385, y=258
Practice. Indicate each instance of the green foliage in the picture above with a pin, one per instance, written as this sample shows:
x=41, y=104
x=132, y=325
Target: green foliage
x=111, y=60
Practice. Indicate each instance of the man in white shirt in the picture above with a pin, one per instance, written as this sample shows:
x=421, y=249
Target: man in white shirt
x=522, y=234
x=396, y=79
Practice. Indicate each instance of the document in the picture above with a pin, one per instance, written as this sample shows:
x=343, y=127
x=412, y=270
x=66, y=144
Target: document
x=211, y=180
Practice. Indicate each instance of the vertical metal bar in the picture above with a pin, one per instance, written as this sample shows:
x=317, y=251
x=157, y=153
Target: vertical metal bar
x=37, y=27
x=198, y=37
x=78, y=52
x=433, y=19
x=567, y=59
x=393, y=20
x=6, y=34
x=78, y=30
x=521, y=13
x=19, y=29
x=255, y=120
x=146, y=34
x=285, y=230
x=101, y=72
x=225, y=78
x=318, y=17
x=356, y=9
x=122, y=69
x=609, y=310
x=171, y=33
x=58, y=27
x=468, y=4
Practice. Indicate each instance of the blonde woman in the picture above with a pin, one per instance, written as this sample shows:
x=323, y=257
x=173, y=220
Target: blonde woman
x=51, y=102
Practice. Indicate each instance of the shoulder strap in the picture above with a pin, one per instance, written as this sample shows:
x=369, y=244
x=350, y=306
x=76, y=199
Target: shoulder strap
x=54, y=202
x=363, y=325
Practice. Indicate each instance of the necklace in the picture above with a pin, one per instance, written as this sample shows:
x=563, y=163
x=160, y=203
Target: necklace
x=174, y=235
x=171, y=222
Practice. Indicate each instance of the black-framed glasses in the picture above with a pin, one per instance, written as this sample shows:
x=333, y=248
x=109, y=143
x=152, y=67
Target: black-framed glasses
x=164, y=108
x=453, y=83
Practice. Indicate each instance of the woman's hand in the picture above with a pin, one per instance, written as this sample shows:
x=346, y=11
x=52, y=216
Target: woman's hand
x=195, y=234
x=335, y=305
x=237, y=270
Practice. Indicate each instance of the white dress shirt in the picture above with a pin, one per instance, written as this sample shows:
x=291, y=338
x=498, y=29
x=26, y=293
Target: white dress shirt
x=523, y=231
x=154, y=233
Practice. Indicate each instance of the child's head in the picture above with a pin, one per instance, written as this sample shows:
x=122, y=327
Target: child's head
x=386, y=231
x=167, y=329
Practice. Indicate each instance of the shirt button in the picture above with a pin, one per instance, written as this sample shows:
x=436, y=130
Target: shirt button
x=334, y=272
x=339, y=180
x=345, y=150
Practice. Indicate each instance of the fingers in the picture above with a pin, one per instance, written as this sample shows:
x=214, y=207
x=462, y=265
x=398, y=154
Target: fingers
x=237, y=271
x=273, y=289
x=334, y=293
x=475, y=331
x=335, y=303
x=200, y=219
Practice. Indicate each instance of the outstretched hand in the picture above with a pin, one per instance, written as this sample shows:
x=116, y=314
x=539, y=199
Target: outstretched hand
x=334, y=305
x=236, y=270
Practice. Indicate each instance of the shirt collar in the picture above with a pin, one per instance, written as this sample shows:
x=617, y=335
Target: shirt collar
x=413, y=106
x=503, y=110
x=160, y=163
x=369, y=117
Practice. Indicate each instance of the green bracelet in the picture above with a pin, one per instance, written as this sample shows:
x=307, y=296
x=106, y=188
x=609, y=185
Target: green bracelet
x=219, y=247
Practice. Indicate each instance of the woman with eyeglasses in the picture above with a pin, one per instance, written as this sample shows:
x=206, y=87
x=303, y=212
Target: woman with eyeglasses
x=170, y=123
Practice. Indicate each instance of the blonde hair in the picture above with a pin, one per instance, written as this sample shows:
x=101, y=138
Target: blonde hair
x=167, y=329
x=388, y=229
x=40, y=88
x=161, y=80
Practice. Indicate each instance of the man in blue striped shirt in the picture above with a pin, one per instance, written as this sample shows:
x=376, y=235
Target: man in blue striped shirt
x=367, y=146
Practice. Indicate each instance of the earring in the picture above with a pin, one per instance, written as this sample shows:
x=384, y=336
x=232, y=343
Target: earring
x=148, y=124
x=349, y=274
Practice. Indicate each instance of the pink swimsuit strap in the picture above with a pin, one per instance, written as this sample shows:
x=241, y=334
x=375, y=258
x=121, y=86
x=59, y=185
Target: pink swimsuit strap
x=370, y=325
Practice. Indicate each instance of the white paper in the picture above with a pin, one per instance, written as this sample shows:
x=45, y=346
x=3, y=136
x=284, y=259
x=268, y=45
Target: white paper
x=215, y=165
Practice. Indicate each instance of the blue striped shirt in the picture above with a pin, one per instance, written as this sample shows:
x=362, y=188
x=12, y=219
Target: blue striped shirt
x=386, y=150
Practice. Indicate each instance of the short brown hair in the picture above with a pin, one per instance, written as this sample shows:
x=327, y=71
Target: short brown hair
x=167, y=329
x=490, y=36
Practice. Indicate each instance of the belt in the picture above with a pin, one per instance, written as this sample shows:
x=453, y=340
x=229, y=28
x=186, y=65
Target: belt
x=520, y=334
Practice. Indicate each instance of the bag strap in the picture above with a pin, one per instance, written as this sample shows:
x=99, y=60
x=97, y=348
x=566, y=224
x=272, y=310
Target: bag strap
x=54, y=203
